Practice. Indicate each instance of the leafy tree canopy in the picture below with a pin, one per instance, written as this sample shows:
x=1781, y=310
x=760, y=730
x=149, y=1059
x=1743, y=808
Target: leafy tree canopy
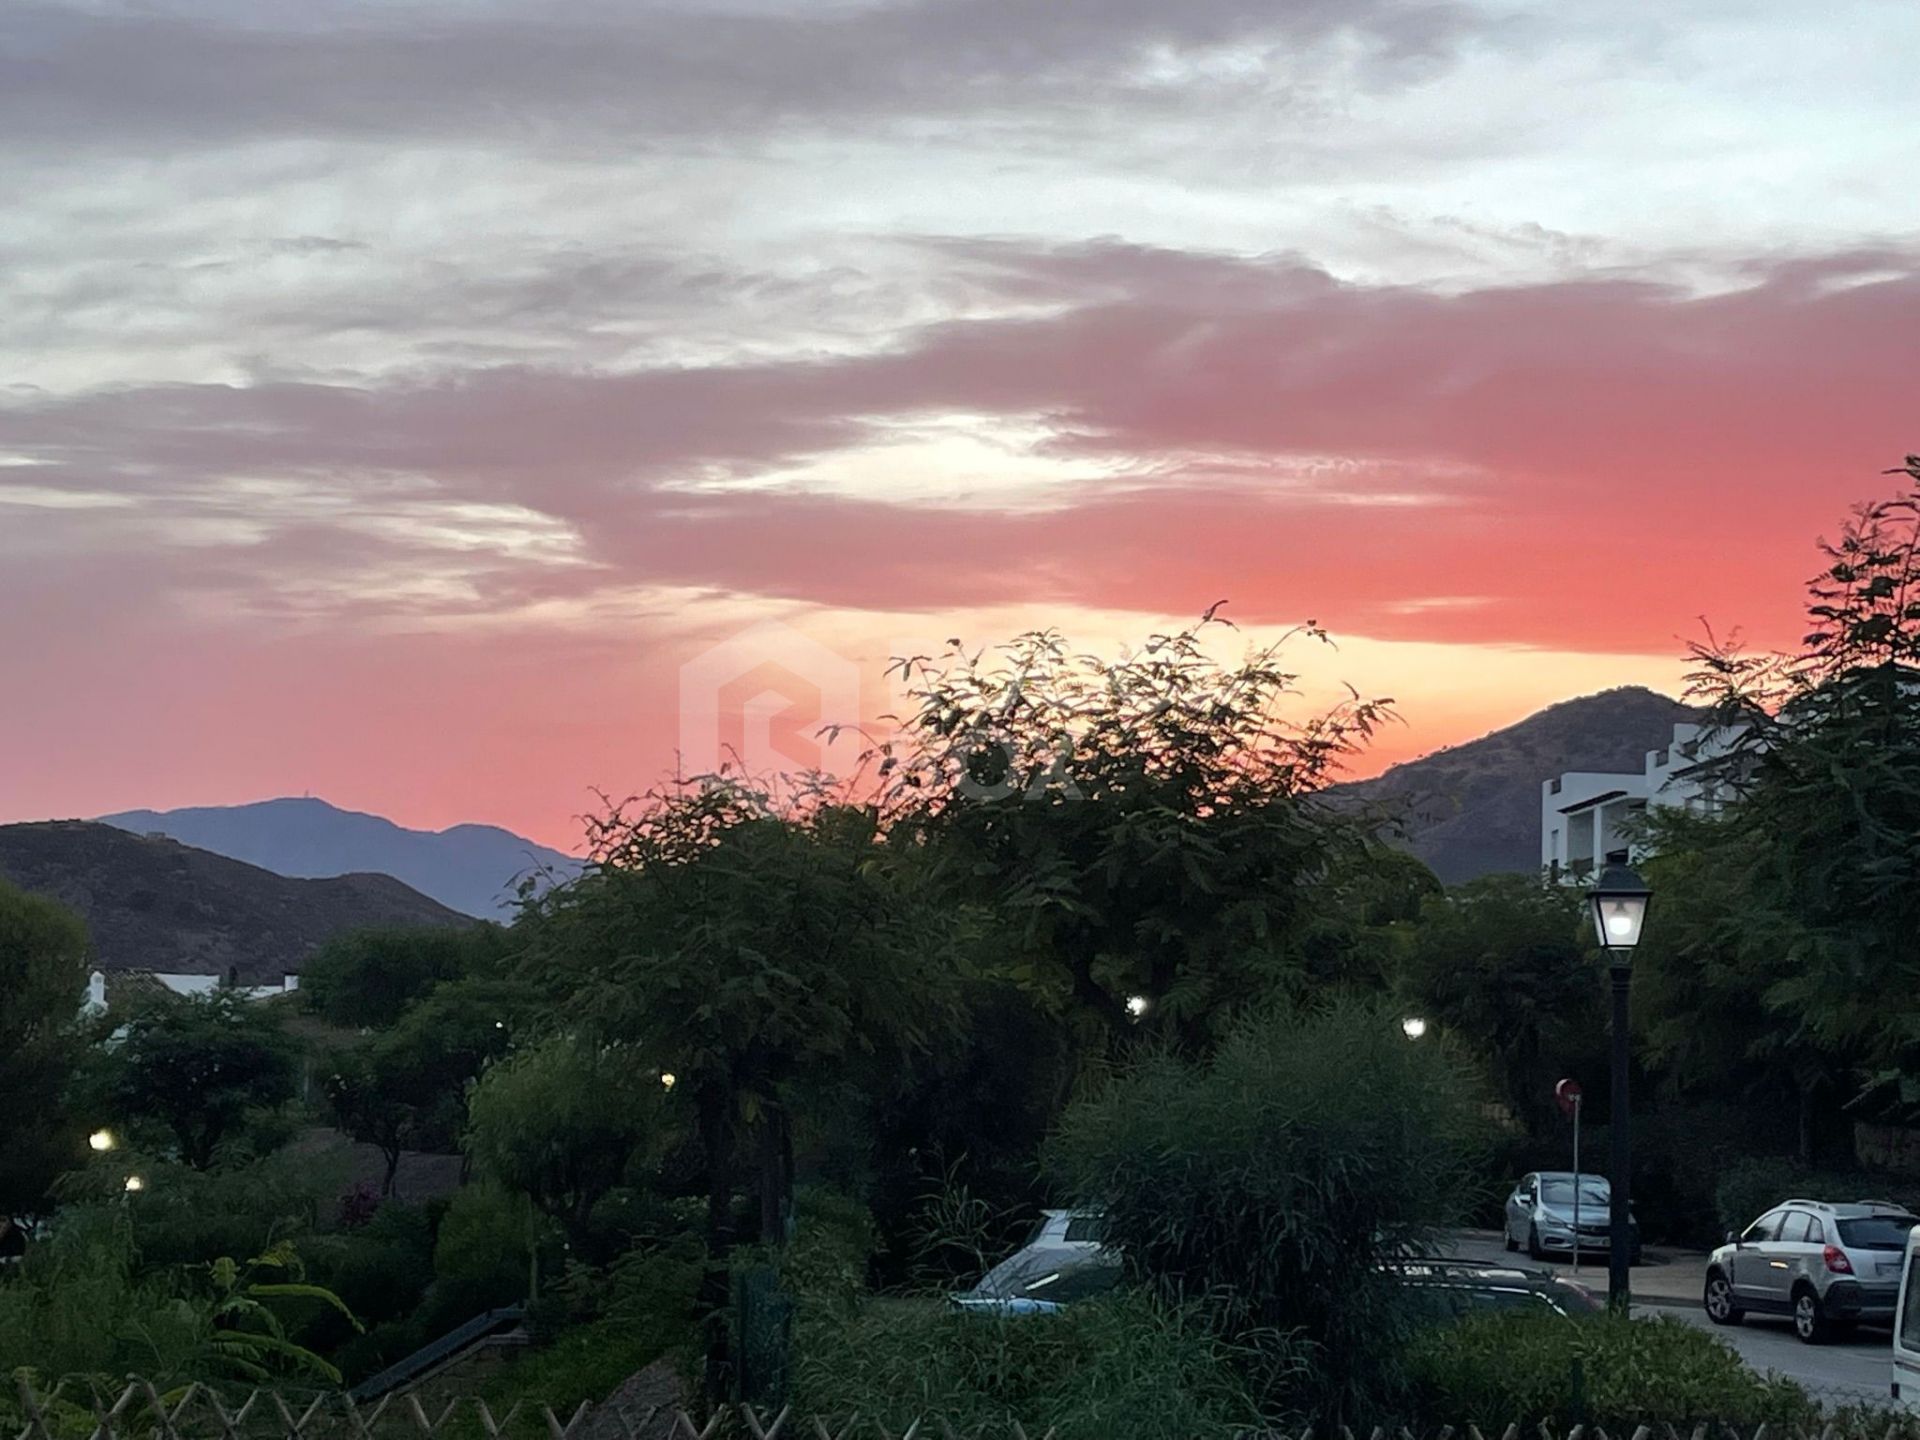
x=1145, y=829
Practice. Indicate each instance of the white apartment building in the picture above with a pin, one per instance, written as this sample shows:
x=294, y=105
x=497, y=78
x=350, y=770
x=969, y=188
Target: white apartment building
x=1585, y=815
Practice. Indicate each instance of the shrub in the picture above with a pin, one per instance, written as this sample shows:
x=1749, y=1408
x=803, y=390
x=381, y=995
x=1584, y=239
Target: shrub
x=482, y=1255
x=1749, y=1188
x=1122, y=1364
x=833, y=1242
x=1274, y=1180
x=1495, y=1370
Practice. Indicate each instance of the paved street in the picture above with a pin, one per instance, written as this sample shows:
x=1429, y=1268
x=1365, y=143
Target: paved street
x=1670, y=1283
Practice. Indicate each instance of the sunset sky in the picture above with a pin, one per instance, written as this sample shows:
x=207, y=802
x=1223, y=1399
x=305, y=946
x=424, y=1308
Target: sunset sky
x=395, y=397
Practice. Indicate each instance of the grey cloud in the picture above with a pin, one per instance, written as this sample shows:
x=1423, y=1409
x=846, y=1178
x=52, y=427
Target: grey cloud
x=549, y=79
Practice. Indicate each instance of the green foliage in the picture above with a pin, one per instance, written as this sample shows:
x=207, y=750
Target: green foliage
x=185, y=1216
x=753, y=951
x=481, y=1258
x=1273, y=1180
x=1503, y=961
x=1119, y=1365
x=370, y=977
x=1496, y=1370
x=1821, y=856
x=561, y=1122
x=1748, y=1188
x=406, y=1087
x=827, y=1261
x=43, y=975
x=198, y=1065
x=1138, y=827
x=83, y=1307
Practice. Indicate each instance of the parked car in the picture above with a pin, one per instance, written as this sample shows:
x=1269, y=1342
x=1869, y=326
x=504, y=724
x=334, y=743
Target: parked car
x=1061, y=1262
x=1540, y=1216
x=1826, y=1266
x=1452, y=1288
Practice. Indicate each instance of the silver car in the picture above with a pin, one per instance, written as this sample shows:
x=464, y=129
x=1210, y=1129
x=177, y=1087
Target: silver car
x=1541, y=1215
x=1061, y=1262
x=1826, y=1266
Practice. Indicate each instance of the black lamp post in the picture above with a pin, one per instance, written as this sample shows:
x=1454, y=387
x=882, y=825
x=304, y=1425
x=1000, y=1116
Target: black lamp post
x=1619, y=911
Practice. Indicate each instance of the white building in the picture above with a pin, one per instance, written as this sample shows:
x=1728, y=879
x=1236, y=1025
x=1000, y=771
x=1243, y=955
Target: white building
x=1585, y=815
x=105, y=986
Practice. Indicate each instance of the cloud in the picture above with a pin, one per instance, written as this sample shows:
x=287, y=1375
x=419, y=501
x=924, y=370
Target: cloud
x=551, y=78
x=1332, y=449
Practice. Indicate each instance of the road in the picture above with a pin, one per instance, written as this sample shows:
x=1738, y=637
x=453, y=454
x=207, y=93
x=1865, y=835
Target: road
x=1854, y=1369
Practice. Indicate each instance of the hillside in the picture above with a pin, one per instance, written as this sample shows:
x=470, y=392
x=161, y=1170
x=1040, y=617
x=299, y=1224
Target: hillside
x=1474, y=809
x=153, y=904
x=471, y=868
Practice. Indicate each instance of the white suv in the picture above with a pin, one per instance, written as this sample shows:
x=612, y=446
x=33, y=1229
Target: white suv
x=1826, y=1266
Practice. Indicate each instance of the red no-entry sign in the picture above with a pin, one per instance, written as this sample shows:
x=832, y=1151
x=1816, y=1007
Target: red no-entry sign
x=1567, y=1095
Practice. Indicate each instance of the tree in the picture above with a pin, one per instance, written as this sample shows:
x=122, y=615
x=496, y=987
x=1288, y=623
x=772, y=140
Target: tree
x=370, y=977
x=1274, y=1180
x=747, y=947
x=561, y=1122
x=406, y=1088
x=1823, y=847
x=198, y=1065
x=1147, y=829
x=1502, y=964
x=43, y=975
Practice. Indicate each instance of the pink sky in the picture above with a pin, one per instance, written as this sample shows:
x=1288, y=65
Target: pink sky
x=394, y=399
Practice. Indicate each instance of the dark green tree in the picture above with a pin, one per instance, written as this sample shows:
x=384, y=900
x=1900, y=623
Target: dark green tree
x=1501, y=963
x=198, y=1065
x=753, y=950
x=562, y=1122
x=406, y=1088
x=1147, y=830
x=370, y=977
x=1821, y=847
x=43, y=979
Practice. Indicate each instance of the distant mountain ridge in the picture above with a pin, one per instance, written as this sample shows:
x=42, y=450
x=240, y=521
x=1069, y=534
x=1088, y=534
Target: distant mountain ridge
x=155, y=904
x=1474, y=809
x=471, y=868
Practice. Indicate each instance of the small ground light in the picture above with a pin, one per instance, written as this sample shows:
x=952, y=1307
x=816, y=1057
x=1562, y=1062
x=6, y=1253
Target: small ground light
x=134, y=1182
x=666, y=1079
x=1137, y=1005
x=1414, y=1027
x=100, y=1141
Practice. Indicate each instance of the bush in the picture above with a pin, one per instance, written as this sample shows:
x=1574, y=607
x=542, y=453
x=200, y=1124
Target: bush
x=1274, y=1180
x=1496, y=1370
x=1749, y=1188
x=1120, y=1365
x=482, y=1256
x=827, y=1260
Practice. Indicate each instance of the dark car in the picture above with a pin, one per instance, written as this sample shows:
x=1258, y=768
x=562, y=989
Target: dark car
x=1452, y=1288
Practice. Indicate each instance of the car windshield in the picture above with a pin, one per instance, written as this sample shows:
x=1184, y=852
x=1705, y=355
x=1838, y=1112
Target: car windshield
x=1876, y=1232
x=1559, y=1193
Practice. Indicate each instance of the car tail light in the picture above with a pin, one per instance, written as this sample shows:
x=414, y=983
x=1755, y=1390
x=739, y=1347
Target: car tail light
x=1837, y=1261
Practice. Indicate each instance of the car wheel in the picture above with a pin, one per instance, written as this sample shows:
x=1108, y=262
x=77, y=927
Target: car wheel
x=1534, y=1252
x=1810, y=1319
x=1718, y=1302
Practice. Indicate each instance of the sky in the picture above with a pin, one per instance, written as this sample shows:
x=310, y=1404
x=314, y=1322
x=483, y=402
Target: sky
x=423, y=405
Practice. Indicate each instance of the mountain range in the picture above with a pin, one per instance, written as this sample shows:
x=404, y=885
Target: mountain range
x=474, y=869
x=154, y=904
x=1474, y=809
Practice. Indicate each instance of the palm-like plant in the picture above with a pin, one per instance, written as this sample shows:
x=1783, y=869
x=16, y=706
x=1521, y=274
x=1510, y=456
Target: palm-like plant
x=248, y=1339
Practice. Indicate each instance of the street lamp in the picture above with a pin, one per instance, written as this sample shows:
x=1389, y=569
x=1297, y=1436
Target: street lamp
x=100, y=1141
x=134, y=1183
x=1619, y=903
x=1414, y=1027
